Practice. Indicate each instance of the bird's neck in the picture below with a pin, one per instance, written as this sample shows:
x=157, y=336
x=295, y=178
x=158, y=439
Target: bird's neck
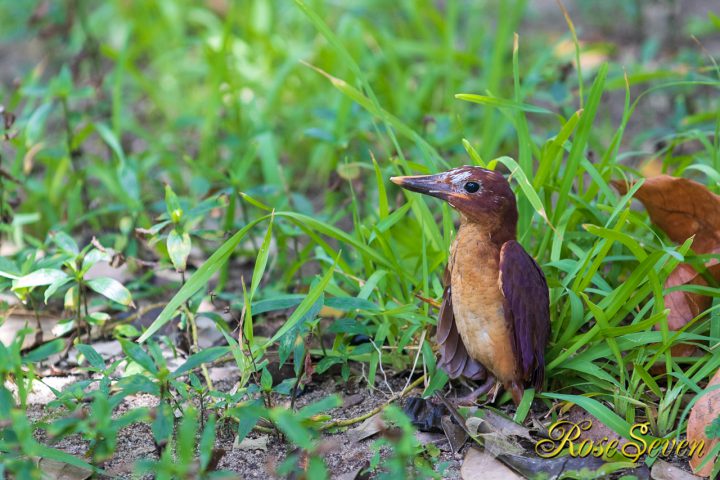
x=495, y=230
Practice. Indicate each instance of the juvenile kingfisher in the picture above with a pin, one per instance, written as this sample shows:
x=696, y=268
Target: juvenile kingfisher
x=494, y=320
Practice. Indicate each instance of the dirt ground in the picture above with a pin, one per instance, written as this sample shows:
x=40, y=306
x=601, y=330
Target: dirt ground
x=257, y=457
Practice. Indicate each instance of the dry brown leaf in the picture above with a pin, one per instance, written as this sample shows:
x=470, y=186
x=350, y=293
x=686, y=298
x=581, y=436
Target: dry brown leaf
x=480, y=465
x=683, y=208
x=455, y=434
x=247, y=443
x=684, y=306
x=62, y=471
x=663, y=470
x=705, y=410
x=368, y=428
x=598, y=431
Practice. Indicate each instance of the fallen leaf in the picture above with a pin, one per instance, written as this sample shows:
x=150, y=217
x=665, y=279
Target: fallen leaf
x=505, y=425
x=455, y=434
x=62, y=471
x=257, y=443
x=563, y=467
x=424, y=414
x=494, y=441
x=702, y=414
x=437, y=439
x=511, y=454
x=480, y=465
x=353, y=400
x=683, y=208
x=368, y=428
x=663, y=470
x=598, y=431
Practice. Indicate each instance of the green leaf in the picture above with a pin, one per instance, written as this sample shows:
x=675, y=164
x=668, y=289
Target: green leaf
x=321, y=406
x=351, y=304
x=36, y=124
x=279, y=302
x=44, y=351
x=199, y=279
x=50, y=453
x=94, y=359
x=138, y=355
x=8, y=269
x=438, y=380
x=261, y=260
x=713, y=430
x=600, y=411
x=92, y=257
x=111, y=139
x=71, y=298
x=178, y=247
x=112, y=289
x=172, y=204
x=65, y=243
x=204, y=356
x=185, y=437
x=501, y=103
x=312, y=297
x=162, y=425
x=97, y=318
x=291, y=426
x=525, y=185
x=266, y=380
x=316, y=468
x=207, y=442
x=50, y=291
x=247, y=416
x=44, y=276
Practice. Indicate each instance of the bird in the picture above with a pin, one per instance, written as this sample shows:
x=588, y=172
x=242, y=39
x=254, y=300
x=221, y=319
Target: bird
x=494, y=319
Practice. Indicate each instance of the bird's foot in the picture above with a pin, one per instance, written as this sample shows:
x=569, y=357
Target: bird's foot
x=490, y=386
x=517, y=392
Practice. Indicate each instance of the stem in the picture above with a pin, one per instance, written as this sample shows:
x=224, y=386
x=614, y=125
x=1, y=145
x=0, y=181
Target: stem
x=374, y=411
x=194, y=345
x=246, y=220
x=297, y=382
x=318, y=334
x=87, y=315
x=78, y=308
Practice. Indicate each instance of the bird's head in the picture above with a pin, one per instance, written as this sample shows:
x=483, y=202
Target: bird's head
x=480, y=195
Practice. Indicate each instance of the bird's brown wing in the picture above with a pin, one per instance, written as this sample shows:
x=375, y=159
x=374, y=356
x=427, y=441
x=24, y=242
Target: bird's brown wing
x=527, y=310
x=454, y=358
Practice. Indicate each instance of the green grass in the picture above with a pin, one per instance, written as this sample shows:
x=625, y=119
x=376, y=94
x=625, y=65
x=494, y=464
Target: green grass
x=278, y=124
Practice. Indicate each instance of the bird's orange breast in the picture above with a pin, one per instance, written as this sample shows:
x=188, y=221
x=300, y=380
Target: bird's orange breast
x=478, y=302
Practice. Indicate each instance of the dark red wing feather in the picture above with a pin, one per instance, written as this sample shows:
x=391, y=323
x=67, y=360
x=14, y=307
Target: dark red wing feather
x=454, y=358
x=527, y=310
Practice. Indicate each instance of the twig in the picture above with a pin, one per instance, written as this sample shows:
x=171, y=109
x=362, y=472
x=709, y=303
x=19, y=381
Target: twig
x=374, y=411
x=112, y=323
x=382, y=370
x=417, y=356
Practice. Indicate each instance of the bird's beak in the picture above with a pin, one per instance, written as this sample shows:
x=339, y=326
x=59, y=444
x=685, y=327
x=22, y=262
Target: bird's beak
x=434, y=185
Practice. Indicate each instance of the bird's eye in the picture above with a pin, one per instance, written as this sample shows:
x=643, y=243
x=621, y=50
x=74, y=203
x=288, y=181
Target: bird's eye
x=472, y=187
